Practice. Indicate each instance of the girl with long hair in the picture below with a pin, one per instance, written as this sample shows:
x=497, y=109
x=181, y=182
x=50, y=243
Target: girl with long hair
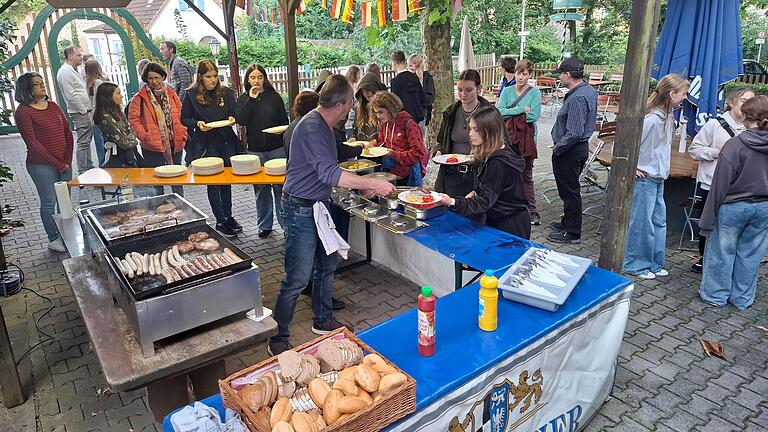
x=647, y=234
x=499, y=197
x=45, y=131
x=416, y=65
x=94, y=77
x=735, y=218
x=119, y=137
x=259, y=108
x=706, y=148
x=208, y=101
x=366, y=126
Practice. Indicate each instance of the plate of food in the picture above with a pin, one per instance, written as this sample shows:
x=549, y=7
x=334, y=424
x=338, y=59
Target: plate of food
x=358, y=166
x=375, y=152
x=276, y=130
x=219, y=124
x=452, y=159
x=356, y=143
x=419, y=198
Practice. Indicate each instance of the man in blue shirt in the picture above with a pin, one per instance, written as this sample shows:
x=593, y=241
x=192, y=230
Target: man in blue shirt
x=507, y=68
x=573, y=127
x=312, y=174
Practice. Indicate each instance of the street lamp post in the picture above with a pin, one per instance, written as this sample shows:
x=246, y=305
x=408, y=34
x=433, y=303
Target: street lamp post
x=215, y=48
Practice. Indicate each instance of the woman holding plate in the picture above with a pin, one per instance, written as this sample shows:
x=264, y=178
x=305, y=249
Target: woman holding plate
x=456, y=178
x=499, y=195
x=261, y=107
x=209, y=111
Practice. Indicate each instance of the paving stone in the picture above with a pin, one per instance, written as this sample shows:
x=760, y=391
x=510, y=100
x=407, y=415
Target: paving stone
x=682, y=421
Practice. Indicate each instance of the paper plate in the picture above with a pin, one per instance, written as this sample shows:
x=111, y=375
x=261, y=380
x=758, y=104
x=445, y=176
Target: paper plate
x=245, y=158
x=443, y=159
x=219, y=124
x=208, y=163
x=276, y=130
x=375, y=152
x=404, y=195
x=170, y=170
x=356, y=143
x=276, y=166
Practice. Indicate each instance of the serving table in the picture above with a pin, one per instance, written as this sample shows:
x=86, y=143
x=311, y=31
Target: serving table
x=100, y=177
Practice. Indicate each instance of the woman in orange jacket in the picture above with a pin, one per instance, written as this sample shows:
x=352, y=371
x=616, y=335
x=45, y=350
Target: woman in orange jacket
x=155, y=115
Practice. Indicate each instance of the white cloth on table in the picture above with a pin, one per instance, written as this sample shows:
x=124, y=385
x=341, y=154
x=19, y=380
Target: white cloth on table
x=326, y=230
x=202, y=418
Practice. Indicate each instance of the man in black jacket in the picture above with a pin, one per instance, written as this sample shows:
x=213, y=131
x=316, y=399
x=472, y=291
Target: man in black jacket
x=407, y=87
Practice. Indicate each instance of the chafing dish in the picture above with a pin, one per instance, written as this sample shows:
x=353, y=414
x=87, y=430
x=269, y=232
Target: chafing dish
x=399, y=223
x=370, y=212
x=346, y=199
x=391, y=201
x=359, y=166
x=383, y=175
x=425, y=211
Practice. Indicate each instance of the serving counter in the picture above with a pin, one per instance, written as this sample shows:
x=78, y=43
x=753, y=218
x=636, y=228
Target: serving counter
x=100, y=177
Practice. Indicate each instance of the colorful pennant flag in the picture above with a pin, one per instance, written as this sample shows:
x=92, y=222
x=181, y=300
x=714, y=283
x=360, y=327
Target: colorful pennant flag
x=324, y=4
x=273, y=17
x=399, y=10
x=336, y=9
x=302, y=7
x=414, y=6
x=382, y=12
x=366, y=7
x=457, y=6
x=349, y=12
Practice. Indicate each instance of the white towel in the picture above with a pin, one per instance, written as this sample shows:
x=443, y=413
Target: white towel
x=326, y=230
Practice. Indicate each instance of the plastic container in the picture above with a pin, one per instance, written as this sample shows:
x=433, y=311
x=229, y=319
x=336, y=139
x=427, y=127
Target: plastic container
x=126, y=190
x=426, y=312
x=487, y=316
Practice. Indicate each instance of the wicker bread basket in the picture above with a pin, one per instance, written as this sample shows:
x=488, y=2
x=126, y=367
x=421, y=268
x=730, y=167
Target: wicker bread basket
x=375, y=417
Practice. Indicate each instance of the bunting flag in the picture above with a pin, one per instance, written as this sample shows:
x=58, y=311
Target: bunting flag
x=399, y=10
x=382, y=12
x=336, y=9
x=324, y=4
x=457, y=6
x=274, y=18
x=415, y=6
x=302, y=7
x=240, y=4
x=366, y=10
x=349, y=12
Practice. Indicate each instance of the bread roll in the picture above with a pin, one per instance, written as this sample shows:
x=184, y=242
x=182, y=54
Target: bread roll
x=367, y=378
x=271, y=378
x=376, y=396
x=364, y=395
x=351, y=404
x=262, y=418
x=283, y=427
x=390, y=382
x=281, y=411
x=372, y=359
x=348, y=387
x=318, y=390
x=383, y=369
x=302, y=422
x=331, y=411
x=253, y=396
x=348, y=373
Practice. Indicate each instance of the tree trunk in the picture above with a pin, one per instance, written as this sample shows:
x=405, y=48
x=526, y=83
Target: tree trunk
x=229, y=28
x=437, y=50
x=626, y=147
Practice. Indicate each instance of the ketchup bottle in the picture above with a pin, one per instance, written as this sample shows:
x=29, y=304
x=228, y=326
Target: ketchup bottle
x=426, y=312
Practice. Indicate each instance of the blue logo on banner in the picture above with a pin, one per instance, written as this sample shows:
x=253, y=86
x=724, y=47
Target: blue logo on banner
x=498, y=402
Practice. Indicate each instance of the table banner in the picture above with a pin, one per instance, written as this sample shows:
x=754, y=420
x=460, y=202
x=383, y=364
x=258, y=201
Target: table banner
x=554, y=385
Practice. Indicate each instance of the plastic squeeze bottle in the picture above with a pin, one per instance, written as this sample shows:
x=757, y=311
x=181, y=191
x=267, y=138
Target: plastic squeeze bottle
x=489, y=300
x=426, y=312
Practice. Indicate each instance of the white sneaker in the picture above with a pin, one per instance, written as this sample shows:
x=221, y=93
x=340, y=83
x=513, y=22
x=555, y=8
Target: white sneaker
x=661, y=273
x=647, y=275
x=57, y=245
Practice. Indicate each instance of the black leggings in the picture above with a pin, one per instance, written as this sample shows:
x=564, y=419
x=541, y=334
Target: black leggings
x=699, y=207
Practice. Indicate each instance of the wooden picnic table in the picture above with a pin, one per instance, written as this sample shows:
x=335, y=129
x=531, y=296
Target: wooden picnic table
x=99, y=177
x=681, y=164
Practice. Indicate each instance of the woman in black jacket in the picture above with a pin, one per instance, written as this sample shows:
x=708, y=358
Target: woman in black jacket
x=499, y=193
x=208, y=101
x=119, y=140
x=416, y=65
x=259, y=108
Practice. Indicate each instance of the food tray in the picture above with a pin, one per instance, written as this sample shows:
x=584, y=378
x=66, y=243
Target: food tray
x=111, y=232
x=371, y=165
x=424, y=212
x=146, y=286
x=375, y=417
x=538, y=293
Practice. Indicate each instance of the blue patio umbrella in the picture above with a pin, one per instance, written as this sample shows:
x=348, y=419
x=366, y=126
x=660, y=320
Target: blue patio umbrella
x=700, y=40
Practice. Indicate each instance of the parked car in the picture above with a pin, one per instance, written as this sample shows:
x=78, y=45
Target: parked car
x=756, y=72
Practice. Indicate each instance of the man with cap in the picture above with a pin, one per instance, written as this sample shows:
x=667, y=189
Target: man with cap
x=573, y=127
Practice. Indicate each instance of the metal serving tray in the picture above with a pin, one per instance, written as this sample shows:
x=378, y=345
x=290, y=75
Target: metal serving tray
x=367, y=170
x=370, y=212
x=110, y=233
x=145, y=286
x=400, y=223
x=346, y=199
x=427, y=212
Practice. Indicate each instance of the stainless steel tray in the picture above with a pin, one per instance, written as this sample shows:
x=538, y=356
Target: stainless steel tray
x=368, y=169
x=400, y=223
x=138, y=225
x=370, y=212
x=346, y=199
x=425, y=213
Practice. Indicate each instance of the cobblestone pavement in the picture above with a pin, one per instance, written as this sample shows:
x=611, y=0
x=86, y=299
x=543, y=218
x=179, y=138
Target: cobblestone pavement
x=664, y=381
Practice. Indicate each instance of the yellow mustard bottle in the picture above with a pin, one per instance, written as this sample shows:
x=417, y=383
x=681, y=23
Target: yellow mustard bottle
x=489, y=300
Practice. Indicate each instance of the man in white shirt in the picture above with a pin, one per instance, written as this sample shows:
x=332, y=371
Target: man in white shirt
x=72, y=86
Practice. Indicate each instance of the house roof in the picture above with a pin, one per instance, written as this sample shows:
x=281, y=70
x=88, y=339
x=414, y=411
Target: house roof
x=101, y=28
x=145, y=11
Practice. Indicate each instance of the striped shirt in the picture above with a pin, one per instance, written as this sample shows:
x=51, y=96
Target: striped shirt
x=47, y=135
x=576, y=120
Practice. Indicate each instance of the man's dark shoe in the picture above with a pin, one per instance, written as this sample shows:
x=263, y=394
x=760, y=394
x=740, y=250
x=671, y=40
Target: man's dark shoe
x=698, y=266
x=226, y=230
x=264, y=233
x=557, y=226
x=276, y=347
x=535, y=219
x=563, y=237
x=329, y=326
x=234, y=225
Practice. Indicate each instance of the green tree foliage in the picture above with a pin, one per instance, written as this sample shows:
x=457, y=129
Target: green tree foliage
x=752, y=22
x=21, y=9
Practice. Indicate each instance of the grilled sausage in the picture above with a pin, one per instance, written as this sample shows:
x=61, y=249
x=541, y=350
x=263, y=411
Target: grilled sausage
x=231, y=255
x=181, y=272
x=191, y=269
x=152, y=266
x=131, y=263
x=168, y=276
x=176, y=275
x=164, y=260
x=120, y=266
x=158, y=267
x=198, y=263
x=129, y=270
x=138, y=259
x=145, y=262
x=211, y=262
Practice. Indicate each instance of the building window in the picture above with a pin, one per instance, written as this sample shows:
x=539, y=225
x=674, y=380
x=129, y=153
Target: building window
x=199, y=3
x=96, y=50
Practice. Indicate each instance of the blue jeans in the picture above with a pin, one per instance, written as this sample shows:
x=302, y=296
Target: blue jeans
x=733, y=254
x=305, y=259
x=98, y=140
x=647, y=234
x=44, y=176
x=264, y=207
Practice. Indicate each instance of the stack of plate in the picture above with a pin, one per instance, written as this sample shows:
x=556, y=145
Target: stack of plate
x=275, y=167
x=207, y=166
x=245, y=164
x=170, y=171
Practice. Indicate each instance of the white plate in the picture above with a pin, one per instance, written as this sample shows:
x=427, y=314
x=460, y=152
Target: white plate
x=276, y=130
x=219, y=124
x=356, y=143
x=403, y=196
x=375, y=152
x=443, y=159
x=170, y=171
